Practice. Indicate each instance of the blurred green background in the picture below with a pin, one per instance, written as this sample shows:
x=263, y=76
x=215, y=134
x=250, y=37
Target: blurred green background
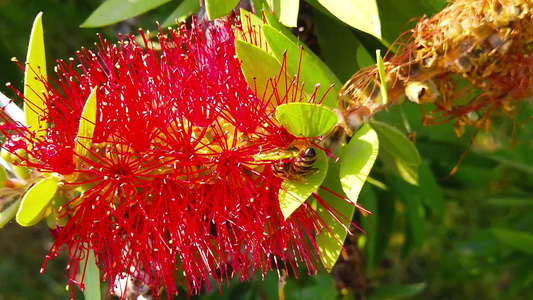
x=464, y=237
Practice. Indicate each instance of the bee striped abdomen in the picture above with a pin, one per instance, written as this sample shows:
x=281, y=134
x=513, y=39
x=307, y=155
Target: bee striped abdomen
x=300, y=167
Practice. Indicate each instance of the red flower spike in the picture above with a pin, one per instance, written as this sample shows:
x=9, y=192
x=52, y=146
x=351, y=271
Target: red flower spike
x=171, y=189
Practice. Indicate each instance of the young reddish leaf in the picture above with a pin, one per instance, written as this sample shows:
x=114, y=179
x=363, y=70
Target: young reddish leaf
x=87, y=124
x=306, y=119
x=36, y=200
x=219, y=8
x=357, y=160
x=311, y=69
x=114, y=11
x=182, y=12
x=360, y=14
x=34, y=106
x=330, y=241
x=293, y=194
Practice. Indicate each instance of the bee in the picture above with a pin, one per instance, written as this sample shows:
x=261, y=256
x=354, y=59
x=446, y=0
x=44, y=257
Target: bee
x=298, y=167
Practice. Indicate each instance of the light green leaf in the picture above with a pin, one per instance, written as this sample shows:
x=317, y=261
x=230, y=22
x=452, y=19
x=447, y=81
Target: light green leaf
x=3, y=176
x=286, y=11
x=360, y=14
x=306, y=119
x=519, y=240
x=407, y=172
x=261, y=71
x=251, y=30
x=114, y=11
x=34, y=89
x=293, y=194
x=383, y=87
x=87, y=124
x=219, y=8
x=91, y=279
x=36, y=200
x=395, y=142
x=357, y=160
x=9, y=207
x=330, y=242
x=312, y=70
x=182, y=12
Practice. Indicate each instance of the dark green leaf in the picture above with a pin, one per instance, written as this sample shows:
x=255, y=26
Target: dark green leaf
x=306, y=119
x=182, y=12
x=395, y=142
x=219, y=8
x=416, y=216
x=114, y=11
x=430, y=190
x=368, y=200
x=518, y=240
x=397, y=291
x=330, y=241
x=357, y=160
x=311, y=71
x=293, y=194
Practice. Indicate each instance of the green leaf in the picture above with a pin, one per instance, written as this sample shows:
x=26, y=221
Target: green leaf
x=416, y=217
x=306, y=119
x=286, y=11
x=87, y=124
x=360, y=14
x=430, y=190
x=3, y=176
x=395, y=142
x=519, y=240
x=397, y=291
x=293, y=194
x=311, y=71
x=91, y=279
x=36, y=200
x=251, y=30
x=357, y=160
x=219, y=8
x=261, y=70
x=369, y=223
x=330, y=242
x=9, y=207
x=34, y=89
x=114, y=11
x=182, y=12
x=383, y=86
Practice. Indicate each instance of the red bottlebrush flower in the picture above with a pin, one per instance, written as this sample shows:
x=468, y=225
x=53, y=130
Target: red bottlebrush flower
x=170, y=188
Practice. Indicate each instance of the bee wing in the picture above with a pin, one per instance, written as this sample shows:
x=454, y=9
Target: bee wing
x=276, y=155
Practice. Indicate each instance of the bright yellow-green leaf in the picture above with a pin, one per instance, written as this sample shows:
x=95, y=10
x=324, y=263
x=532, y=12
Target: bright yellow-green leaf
x=261, y=70
x=3, y=176
x=114, y=11
x=182, y=12
x=36, y=200
x=251, y=30
x=87, y=124
x=286, y=11
x=330, y=241
x=293, y=194
x=9, y=207
x=360, y=14
x=382, y=78
x=219, y=8
x=91, y=279
x=306, y=119
x=306, y=65
x=34, y=105
x=357, y=160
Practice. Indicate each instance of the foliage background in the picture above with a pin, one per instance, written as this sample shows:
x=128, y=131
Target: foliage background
x=467, y=236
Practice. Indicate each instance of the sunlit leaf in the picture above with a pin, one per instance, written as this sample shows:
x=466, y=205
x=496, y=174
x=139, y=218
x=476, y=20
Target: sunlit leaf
x=518, y=240
x=261, y=70
x=91, y=279
x=330, y=241
x=3, y=176
x=360, y=14
x=251, y=30
x=9, y=208
x=114, y=11
x=407, y=172
x=87, y=125
x=382, y=78
x=394, y=141
x=286, y=11
x=182, y=12
x=36, y=200
x=306, y=119
x=311, y=71
x=357, y=160
x=35, y=106
x=293, y=194
x=219, y=8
